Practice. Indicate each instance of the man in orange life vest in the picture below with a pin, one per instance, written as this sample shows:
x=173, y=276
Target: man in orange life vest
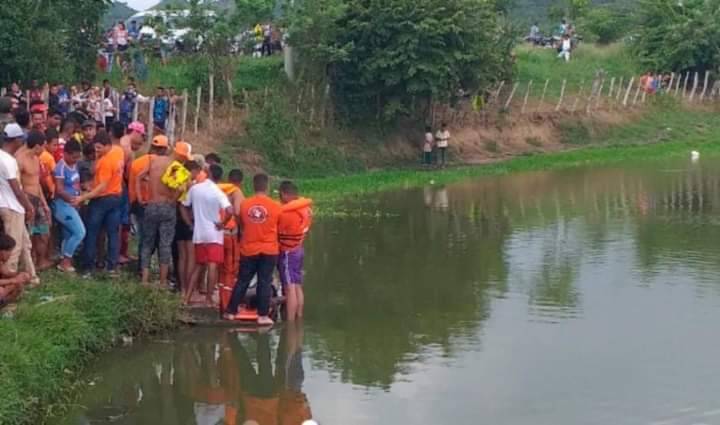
x=259, y=248
x=231, y=244
x=293, y=227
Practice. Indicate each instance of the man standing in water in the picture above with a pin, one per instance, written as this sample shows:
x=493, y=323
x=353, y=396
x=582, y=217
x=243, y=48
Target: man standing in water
x=15, y=208
x=259, y=248
x=293, y=227
x=207, y=202
x=159, y=215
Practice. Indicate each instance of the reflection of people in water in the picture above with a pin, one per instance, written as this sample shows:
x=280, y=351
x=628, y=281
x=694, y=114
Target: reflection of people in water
x=274, y=398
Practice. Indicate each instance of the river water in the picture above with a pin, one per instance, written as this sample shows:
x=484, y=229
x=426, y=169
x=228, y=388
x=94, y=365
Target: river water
x=582, y=296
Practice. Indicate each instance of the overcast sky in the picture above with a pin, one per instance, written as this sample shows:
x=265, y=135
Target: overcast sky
x=141, y=4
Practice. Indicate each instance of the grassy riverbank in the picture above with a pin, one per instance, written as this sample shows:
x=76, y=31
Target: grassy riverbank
x=668, y=130
x=58, y=328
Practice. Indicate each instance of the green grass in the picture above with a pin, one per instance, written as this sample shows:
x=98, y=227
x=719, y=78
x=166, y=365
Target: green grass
x=663, y=132
x=58, y=328
x=539, y=65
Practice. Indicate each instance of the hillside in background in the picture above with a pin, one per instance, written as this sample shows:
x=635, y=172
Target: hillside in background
x=118, y=12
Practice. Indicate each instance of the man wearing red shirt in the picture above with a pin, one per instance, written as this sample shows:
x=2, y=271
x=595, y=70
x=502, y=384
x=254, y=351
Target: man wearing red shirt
x=259, y=249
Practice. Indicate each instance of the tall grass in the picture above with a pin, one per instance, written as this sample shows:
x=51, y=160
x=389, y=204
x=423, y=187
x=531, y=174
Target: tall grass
x=541, y=64
x=58, y=328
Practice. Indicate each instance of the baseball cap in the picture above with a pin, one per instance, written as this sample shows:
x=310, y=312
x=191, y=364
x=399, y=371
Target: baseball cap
x=183, y=150
x=160, y=141
x=5, y=105
x=137, y=126
x=89, y=123
x=13, y=131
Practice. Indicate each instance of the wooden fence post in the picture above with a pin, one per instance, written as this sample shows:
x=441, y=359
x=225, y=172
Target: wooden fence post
x=150, y=120
x=694, y=86
x=599, y=95
x=685, y=86
x=677, y=84
x=184, y=114
x=562, y=95
x=579, y=95
x=705, y=86
x=672, y=80
x=542, y=98
x=527, y=95
x=230, y=93
x=211, y=99
x=612, y=88
x=197, y=108
x=621, y=88
x=627, y=92
x=637, y=92
x=510, y=98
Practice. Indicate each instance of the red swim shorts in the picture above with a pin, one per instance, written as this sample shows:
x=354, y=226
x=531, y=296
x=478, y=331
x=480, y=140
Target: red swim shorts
x=209, y=253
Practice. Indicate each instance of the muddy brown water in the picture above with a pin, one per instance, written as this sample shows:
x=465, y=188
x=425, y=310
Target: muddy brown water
x=582, y=296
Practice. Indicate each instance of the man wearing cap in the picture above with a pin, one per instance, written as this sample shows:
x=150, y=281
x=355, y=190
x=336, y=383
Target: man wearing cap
x=159, y=220
x=89, y=130
x=15, y=208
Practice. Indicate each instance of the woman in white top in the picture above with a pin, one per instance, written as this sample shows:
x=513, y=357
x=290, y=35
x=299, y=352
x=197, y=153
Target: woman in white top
x=442, y=139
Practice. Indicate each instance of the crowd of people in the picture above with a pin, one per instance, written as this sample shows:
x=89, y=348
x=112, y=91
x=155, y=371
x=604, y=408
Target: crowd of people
x=564, y=39
x=73, y=186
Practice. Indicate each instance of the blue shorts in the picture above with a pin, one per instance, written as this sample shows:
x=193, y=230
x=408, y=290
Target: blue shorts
x=290, y=266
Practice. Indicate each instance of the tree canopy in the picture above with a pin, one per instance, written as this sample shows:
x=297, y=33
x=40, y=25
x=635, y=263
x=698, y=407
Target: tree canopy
x=384, y=56
x=46, y=39
x=679, y=35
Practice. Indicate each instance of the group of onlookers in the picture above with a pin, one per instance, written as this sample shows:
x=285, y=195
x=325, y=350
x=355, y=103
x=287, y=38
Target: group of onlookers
x=71, y=186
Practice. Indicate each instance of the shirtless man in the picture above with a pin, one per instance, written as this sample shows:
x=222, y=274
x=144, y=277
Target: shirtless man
x=28, y=158
x=11, y=283
x=159, y=218
x=130, y=143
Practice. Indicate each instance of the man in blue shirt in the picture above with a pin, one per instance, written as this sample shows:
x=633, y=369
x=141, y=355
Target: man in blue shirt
x=161, y=108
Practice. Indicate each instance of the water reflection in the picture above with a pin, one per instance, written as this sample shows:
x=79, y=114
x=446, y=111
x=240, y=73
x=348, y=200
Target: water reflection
x=587, y=295
x=206, y=377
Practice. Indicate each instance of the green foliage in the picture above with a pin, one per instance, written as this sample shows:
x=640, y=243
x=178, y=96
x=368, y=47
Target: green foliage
x=572, y=9
x=605, y=25
x=56, y=331
x=118, y=11
x=49, y=40
x=679, y=35
x=390, y=58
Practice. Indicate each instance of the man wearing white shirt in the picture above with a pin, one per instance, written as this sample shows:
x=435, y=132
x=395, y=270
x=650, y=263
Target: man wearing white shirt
x=15, y=207
x=211, y=210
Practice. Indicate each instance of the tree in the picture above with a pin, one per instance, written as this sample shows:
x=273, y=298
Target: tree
x=45, y=39
x=679, y=35
x=605, y=24
x=384, y=56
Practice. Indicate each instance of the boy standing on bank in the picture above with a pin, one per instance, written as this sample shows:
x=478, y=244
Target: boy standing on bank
x=259, y=248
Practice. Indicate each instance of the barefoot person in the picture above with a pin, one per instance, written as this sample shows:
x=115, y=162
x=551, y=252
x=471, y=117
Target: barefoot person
x=231, y=244
x=11, y=283
x=259, y=248
x=28, y=158
x=15, y=208
x=159, y=215
x=67, y=184
x=207, y=202
x=293, y=227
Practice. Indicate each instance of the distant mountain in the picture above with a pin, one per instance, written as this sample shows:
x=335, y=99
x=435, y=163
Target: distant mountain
x=118, y=12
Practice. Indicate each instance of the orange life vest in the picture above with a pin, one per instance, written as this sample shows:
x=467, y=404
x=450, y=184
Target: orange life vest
x=294, y=224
